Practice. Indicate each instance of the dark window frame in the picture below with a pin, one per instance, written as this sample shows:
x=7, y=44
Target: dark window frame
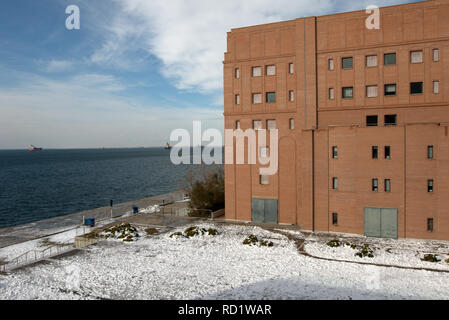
x=415, y=86
x=430, y=153
x=335, y=218
x=430, y=224
x=387, y=152
x=391, y=54
x=390, y=94
x=375, y=152
x=371, y=123
x=375, y=185
x=387, y=182
x=334, y=152
x=343, y=92
x=389, y=123
x=347, y=59
x=334, y=183
x=270, y=93
x=430, y=186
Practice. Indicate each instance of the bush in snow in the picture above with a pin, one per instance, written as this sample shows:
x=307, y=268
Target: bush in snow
x=431, y=258
x=365, y=251
x=123, y=231
x=253, y=240
x=195, y=231
x=151, y=231
x=334, y=243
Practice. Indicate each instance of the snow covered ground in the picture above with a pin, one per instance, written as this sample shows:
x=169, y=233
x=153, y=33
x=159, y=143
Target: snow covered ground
x=214, y=267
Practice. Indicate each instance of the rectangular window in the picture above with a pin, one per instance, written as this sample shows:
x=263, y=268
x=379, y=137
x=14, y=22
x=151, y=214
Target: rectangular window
x=271, y=97
x=371, y=61
x=257, y=98
x=335, y=218
x=436, y=86
x=390, y=120
x=237, y=125
x=331, y=64
x=291, y=68
x=430, y=224
x=346, y=63
x=334, y=152
x=347, y=92
x=371, y=91
x=256, y=71
x=416, y=57
x=387, y=152
x=257, y=124
x=375, y=152
x=331, y=93
x=387, y=185
x=389, y=59
x=416, y=87
x=390, y=89
x=271, y=124
x=430, y=152
x=291, y=95
x=237, y=99
x=335, y=183
x=436, y=55
x=292, y=124
x=375, y=185
x=237, y=73
x=430, y=186
x=263, y=152
x=371, y=121
x=271, y=70
x=264, y=179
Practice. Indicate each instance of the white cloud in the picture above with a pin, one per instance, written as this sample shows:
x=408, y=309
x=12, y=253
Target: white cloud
x=58, y=66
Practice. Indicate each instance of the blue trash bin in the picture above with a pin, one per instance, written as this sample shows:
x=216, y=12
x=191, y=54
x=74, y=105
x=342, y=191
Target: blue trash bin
x=90, y=222
x=135, y=209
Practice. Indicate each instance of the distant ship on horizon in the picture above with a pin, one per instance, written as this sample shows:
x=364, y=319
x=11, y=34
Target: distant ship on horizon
x=168, y=146
x=34, y=148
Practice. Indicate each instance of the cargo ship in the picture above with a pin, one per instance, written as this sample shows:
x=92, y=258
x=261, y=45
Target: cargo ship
x=34, y=148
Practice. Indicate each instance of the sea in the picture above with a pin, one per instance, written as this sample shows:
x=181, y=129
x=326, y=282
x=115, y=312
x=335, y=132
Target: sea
x=51, y=183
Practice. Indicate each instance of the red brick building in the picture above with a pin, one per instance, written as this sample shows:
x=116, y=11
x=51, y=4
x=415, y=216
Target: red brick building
x=363, y=120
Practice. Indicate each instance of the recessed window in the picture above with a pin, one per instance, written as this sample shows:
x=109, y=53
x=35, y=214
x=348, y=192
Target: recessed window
x=389, y=59
x=436, y=86
x=347, y=92
x=237, y=125
x=331, y=94
x=390, y=90
x=387, y=152
x=335, y=183
x=430, y=224
x=256, y=71
x=371, y=91
x=375, y=152
x=346, y=63
x=331, y=64
x=291, y=68
x=375, y=185
x=237, y=73
x=257, y=98
x=237, y=99
x=371, y=121
x=271, y=97
x=334, y=152
x=263, y=152
x=416, y=57
x=271, y=124
x=387, y=185
x=430, y=152
x=257, y=125
x=335, y=218
x=292, y=123
x=436, y=55
x=430, y=186
x=416, y=87
x=371, y=61
x=264, y=179
x=390, y=120
x=271, y=70
x=291, y=95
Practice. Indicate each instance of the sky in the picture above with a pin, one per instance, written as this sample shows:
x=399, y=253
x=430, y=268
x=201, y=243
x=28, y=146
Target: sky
x=132, y=73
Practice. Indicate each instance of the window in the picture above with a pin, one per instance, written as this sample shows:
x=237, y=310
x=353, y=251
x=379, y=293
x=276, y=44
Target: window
x=387, y=152
x=271, y=97
x=237, y=125
x=334, y=152
x=347, y=92
x=335, y=219
x=375, y=185
x=387, y=185
x=291, y=68
x=390, y=59
x=390, y=89
x=371, y=61
x=436, y=55
x=257, y=98
x=291, y=95
x=375, y=152
x=263, y=152
x=237, y=73
x=430, y=152
x=390, y=120
x=237, y=99
x=371, y=121
x=416, y=87
x=257, y=71
x=292, y=124
x=436, y=86
x=331, y=64
x=430, y=224
x=416, y=57
x=270, y=70
x=257, y=124
x=346, y=63
x=430, y=186
x=331, y=93
x=271, y=124
x=371, y=91
x=335, y=183
x=264, y=179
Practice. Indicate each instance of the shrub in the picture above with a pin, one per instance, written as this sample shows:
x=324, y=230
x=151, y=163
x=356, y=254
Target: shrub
x=365, y=251
x=253, y=240
x=431, y=258
x=151, y=231
x=334, y=243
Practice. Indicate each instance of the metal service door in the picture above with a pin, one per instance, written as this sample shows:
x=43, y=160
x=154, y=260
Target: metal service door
x=372, y=222
x=265, y=210
x=258, y=210
x=389, y=223
x=271, y=211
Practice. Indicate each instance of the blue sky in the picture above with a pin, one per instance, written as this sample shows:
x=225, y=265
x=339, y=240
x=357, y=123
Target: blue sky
x=136, y=69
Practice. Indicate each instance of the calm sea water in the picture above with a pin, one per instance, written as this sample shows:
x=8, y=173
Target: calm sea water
x=51, y=183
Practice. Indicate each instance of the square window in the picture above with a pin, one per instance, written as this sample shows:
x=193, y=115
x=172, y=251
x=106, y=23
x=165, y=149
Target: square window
x=257, y=98
x=375, y=185
x=331, y=93
x=271, y=124
x=389, y=59
x=237, y=125
x=292, y=124
x=334, y=152
x=291, y=68
x=387, y=152
x=430, y=186
x=237, y=73
x=264, y=179
x=257, y=125
x=347, y=92
x=430, y=224
x=390, y=120
x=371, y=91
x=416, y=87
x=371, y=61
x=430, y=152
x=263, y=152
x=291, y=95
x=436, y=86
x=237, y=99
x=416, y=57
x=271, y=97
x=436, y=55
x=335, y=183
x=390, y=90
x=256, y=71
x=371, y=121
x=271, y=70
x=375, y=152
x=331, y=64
x=387, y=185
x=335, y=218
x=346, y=63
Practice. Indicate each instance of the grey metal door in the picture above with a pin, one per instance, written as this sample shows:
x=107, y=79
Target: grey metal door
x=258, y=210
x=381, y=223
x=372, y=222
x=264, y=210
x=271, y=211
